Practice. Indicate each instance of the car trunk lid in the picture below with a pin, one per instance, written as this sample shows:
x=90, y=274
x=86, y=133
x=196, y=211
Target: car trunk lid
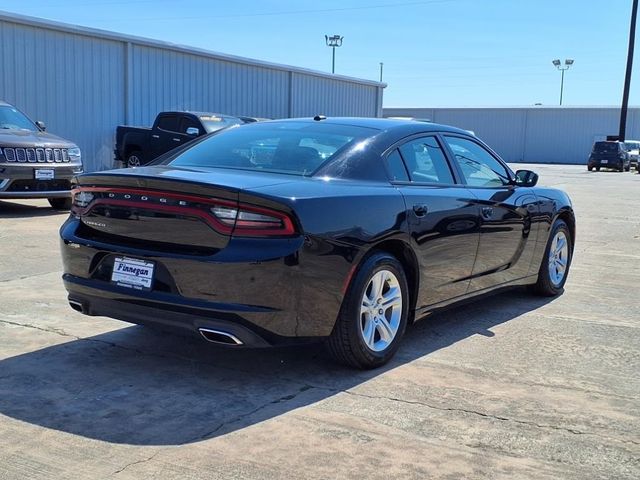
x=185, y=211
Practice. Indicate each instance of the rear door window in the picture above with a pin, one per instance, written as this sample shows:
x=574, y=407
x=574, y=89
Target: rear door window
x=168, y=123
x=426, y=161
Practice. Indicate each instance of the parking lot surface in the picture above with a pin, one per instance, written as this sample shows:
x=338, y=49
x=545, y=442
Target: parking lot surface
x=511, y=386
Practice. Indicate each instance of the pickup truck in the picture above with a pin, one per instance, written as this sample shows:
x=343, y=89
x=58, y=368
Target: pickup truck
x=136, y=146
x=33, y=162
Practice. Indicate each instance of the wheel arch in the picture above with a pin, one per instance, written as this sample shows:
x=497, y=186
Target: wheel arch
x=403, y=252
x=569, y=218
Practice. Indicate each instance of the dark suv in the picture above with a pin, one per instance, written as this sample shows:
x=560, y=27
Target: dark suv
x=33, y=163
x=607, y=154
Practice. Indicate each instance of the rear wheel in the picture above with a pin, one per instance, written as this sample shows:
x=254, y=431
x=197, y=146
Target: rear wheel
x=134, y=159
x=589, y=168
x=556, y=261
x=597, y=169
x=373, y=316
x=60, y=203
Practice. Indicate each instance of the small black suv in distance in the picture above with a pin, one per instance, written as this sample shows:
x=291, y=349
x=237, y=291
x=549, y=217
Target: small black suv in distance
x=609, y=154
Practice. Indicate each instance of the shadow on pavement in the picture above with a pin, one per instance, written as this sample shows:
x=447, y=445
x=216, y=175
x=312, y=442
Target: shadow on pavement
x=12, y=209
x=142, y=387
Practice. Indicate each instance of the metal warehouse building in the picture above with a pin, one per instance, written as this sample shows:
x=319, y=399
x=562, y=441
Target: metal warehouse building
x=534, y=134
x=84, y=82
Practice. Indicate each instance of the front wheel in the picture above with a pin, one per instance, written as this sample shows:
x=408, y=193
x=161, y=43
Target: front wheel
x=373, y=316
x=556, y=261
x=60, y=203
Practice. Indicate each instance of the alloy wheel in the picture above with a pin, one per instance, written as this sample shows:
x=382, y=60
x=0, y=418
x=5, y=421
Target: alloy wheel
x=381, y=310
x=133, y=161
x=558, y=258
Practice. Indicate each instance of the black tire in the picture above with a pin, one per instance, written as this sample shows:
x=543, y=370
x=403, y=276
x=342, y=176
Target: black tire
x=589, y=168
x=545, y=287
x=134, y=159
x=628, y=169
x=346, y=343
x=597, y=169
x=60, y=203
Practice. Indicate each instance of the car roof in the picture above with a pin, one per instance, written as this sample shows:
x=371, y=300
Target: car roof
x=403, y=126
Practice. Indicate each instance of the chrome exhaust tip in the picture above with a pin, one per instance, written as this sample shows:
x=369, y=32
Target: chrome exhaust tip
x=77, y=306
x=220, y=337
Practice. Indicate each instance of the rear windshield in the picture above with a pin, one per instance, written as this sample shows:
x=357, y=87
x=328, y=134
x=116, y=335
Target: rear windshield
x=297, y=148
x=605, y=147
x=213, y=123
x=13, y=119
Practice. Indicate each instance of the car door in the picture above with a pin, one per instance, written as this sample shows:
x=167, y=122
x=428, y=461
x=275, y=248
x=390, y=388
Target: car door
x=506, y=212
x=442, y=218
x=166, y=135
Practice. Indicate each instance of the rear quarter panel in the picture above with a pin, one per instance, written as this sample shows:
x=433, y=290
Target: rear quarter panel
x=340, y=221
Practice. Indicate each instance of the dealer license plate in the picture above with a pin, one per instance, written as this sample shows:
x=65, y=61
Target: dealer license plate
x=45, y=174
x=132, y=273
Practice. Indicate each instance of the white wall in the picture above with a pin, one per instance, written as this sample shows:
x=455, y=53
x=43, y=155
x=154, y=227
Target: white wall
x=533, y=134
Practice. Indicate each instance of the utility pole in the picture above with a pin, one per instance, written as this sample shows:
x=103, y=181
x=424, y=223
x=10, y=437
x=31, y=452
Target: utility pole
x=381, y=65
x=627, y=78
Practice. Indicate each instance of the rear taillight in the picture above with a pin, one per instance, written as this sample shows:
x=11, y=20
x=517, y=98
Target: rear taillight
x=254, y=221
x=223, y=216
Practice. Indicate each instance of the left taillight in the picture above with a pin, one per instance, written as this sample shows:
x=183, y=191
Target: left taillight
x=80, y=199
x=251, y=221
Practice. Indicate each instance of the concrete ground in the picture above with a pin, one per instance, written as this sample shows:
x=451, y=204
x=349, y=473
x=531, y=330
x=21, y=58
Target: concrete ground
x=512, y=386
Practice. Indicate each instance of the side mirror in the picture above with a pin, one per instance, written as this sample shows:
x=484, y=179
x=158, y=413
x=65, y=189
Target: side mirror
x=40, y=124
x=526, y=178
x=194, y=131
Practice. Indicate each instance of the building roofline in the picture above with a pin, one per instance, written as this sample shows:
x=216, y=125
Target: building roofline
x=513, y=107
x=148, y=42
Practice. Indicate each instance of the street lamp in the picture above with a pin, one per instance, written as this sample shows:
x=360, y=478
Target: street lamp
x=558, y=64
x=333, y=41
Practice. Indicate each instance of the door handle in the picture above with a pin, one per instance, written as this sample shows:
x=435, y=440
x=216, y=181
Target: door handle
x=420, y=210
x=487, y=212
x=155, y=136
x=176, y=139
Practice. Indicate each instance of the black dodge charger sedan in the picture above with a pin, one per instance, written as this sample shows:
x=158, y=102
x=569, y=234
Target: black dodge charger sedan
x=342, y=230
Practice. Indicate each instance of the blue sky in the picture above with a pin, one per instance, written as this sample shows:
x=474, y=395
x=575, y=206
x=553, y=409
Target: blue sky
x=435, y=52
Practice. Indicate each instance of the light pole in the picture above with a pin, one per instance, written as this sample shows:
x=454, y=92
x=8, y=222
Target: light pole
x=627, y=78
x=381, y=65
x=558, y=64
x=333, y=41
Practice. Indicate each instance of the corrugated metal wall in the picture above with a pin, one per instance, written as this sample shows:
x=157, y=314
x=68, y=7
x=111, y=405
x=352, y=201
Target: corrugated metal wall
x=83, y=83
x=535, y=134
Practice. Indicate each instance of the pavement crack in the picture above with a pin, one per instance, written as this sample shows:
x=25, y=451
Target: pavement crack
x=137, y=462
x=57, y=331
x=24, y=277
x=490, y=416
x=239, y=418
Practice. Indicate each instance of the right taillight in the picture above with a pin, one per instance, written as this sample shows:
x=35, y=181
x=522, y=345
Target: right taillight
x=251, y=221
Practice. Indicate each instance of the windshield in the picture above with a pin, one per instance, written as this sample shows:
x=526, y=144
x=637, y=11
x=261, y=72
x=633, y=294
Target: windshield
x=213, y=123
x=605, y=147
x=13, y=119
x=297, y=148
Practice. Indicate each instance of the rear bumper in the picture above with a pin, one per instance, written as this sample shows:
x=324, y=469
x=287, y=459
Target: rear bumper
x=251, y=290
x=609, y=163
x=167, y=313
